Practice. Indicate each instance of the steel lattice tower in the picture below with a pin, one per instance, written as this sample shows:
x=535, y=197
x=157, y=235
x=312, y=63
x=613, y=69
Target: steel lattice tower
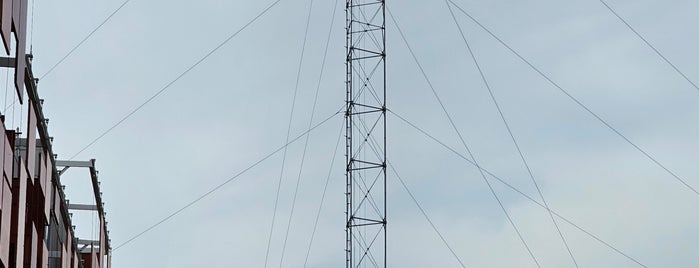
x=365, y=121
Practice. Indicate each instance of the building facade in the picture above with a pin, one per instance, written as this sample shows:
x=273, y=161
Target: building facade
x=36, y=229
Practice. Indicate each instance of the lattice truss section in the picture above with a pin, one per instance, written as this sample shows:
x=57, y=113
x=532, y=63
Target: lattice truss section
x=365, y=119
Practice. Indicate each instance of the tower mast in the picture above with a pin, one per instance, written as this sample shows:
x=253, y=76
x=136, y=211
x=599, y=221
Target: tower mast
x=365, y=122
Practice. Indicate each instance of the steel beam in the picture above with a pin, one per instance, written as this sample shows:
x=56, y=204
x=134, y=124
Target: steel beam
x=7, y=62
x=88, y=242
x=82, y=207
x=99, y=205
x=69, y=163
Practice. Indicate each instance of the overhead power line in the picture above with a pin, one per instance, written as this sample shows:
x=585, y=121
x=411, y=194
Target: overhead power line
x=305, y=145
x=231, y=179
x=31, y=29
x=322, y=198
x=579, y=103
x=186, y=71
x=427, y=217
x=509, y=131
x=463, y=142
x=371, y=141
x=468, y=160
x=674, y=67
x=70, y=52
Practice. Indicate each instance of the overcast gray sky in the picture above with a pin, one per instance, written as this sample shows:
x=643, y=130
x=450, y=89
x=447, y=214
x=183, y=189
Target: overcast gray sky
x=233, y=109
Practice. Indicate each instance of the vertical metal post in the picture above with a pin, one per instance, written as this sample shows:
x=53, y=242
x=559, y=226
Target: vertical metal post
x=365, y=122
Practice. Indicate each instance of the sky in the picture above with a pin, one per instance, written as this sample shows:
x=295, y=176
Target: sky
x=233, y=109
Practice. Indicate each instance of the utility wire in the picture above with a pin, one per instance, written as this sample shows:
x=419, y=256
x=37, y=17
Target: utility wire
x=225, y=182
x=83, y=40
x=305, y=144
x=9, y=106
x=186, y=71
x=509, y=131
x=288, y=133
x=31, y=30
x=320, y=79
x=430, y=136
x=649, y=44
x=322, y=199
x=565, y=92
x=7, y=77
x=463, y=142
x=424, y=214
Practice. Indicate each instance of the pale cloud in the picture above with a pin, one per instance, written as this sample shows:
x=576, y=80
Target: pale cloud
x=233, y=109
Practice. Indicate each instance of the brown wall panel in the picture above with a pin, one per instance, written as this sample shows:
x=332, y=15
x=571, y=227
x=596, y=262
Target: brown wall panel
x=16, y=9
x=4, y=144
x=5, y=220
x=87, y=259
x=65, y=257
x=45, y=255
x=103, y=241
x=19, y=195
x=94, y=257
x=30, y=247
x=69, y=249
x=41, y=252
x=48, y=188
x=8, y=153
x=38, y=208
x=65, y=260
x=20, y=20
x=2, y=186
x=41, y=169
x=6, y=23
x=31, y=140
x=57, y=205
